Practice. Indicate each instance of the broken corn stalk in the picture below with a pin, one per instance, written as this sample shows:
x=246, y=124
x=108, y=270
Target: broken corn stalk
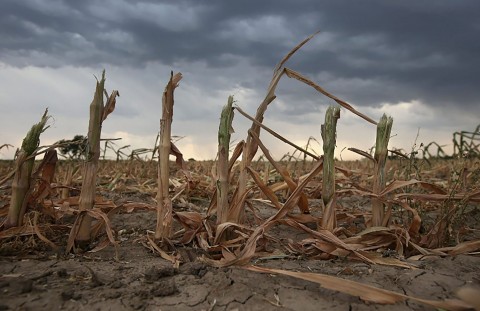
x=98, y=113
x=384, y=128
x=23, y=171
x=164, y=202
x=224, y=133
x=329, y=133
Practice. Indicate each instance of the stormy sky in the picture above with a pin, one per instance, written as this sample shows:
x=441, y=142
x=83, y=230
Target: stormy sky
x=418, y=61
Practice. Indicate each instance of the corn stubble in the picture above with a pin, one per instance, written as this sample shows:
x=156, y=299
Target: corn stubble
x=384, y=128
x=329, y=136
x=82, y=229
x=164, y=202
x=224, y=133
x=22, y=180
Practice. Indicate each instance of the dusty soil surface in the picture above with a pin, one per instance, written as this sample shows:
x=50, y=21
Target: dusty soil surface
x=141, y=280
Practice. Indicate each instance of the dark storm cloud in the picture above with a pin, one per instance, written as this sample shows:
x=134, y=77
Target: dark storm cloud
x=368, y=52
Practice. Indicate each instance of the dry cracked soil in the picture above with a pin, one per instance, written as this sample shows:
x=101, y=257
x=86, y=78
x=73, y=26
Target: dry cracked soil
x=142, y=280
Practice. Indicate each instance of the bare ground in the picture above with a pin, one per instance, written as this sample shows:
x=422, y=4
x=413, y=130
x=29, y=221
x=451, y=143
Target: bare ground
x=141, y=280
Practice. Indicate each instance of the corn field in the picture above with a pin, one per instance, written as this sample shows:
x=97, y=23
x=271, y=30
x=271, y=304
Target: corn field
x=302, y=218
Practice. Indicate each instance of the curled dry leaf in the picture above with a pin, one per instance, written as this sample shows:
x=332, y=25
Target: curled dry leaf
x=462, y=248
x=303, y=201
x=179, y=160
x=365, y=292
x=40, y=234
x=110, y=106
x=293, y=74
x=470, y=295
x=172, y=258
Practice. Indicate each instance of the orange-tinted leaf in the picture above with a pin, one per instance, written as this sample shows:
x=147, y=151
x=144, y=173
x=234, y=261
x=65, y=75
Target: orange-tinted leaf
x=110, y=106
x=363, y=291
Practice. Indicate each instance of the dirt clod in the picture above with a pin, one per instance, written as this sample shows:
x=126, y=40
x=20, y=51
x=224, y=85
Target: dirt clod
x=20, y=286
x=62, y=273
x=154, y=273
x=164, y=288
x=194, y=268
x=117, y=284
x=70, y=294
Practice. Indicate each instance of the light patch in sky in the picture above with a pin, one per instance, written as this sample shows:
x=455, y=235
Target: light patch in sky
x=55, y=7
x=173, y=17
x=269, y=28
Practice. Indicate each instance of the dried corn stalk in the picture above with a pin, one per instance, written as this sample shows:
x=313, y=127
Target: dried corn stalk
x=21, y=184
x=329, y=133
x=98, y=113
x=46, y=170
x=384, y=129
x=224, y=133
x=164, y=202
x=251, y=146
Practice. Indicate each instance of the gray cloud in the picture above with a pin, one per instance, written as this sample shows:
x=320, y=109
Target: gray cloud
x=368, y=52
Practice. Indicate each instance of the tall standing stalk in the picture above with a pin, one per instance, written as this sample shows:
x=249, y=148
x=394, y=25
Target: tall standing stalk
x=224, y=133
x=384, y=129
x=98, y=113
x=23, y=173
x=164, y=202
x=251, y=147
x=329, y=133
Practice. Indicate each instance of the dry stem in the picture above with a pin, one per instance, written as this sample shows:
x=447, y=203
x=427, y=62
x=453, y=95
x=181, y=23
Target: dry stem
x=329, y=132
x=23, y=171
x=98, y=113
x=384, y=129
x=164, y=202
x=224, y=134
